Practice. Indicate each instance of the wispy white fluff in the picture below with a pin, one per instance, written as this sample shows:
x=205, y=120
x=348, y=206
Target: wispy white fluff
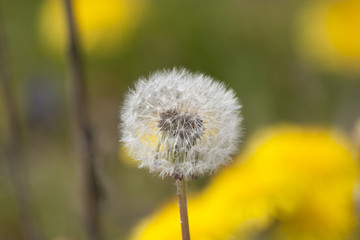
x=180, y=124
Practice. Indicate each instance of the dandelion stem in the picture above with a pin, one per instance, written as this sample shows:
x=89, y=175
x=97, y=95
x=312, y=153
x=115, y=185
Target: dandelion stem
x=83, y=132
x=181, y=190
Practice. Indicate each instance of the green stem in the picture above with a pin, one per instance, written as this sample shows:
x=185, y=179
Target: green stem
x=83, y=133
x=181, y=190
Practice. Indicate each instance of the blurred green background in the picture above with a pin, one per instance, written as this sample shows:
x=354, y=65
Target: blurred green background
x=252, y=46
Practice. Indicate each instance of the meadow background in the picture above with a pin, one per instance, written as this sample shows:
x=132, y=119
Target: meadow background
x=264, y=50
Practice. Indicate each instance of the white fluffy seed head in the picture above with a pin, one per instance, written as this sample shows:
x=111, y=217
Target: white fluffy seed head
x=180, y=124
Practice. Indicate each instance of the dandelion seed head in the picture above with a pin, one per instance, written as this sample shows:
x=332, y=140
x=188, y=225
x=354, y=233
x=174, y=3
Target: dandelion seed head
x=180, y=124
x=186, y=126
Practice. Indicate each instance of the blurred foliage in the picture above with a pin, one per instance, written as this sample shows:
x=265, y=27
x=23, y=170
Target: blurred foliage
x=253, y=46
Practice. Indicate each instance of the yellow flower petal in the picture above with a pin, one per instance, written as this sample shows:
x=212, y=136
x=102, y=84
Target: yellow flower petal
x=329, y=33
x=298, y=182
x=102, y=24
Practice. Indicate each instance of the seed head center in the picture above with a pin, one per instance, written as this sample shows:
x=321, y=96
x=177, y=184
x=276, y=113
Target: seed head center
x=183, y=125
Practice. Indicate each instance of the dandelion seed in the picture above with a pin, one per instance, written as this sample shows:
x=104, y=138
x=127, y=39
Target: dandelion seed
x=180, y=124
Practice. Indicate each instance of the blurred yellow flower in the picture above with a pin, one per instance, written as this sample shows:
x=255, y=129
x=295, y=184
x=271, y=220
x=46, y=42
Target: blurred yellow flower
x=102, y=24
x=329, y=33
x=289, y=183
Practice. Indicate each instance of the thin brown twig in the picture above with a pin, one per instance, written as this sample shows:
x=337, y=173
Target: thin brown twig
x=82, y=131
x=15, y=159
x=181, y=190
